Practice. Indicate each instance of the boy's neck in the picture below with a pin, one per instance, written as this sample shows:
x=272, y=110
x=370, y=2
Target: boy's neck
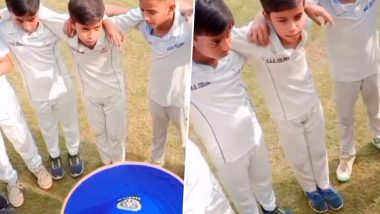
x=288, y=45
x=165, y=27
x=201, y=59
x=82, y=43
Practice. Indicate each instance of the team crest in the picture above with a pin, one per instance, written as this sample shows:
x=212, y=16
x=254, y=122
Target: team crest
x=130, y=204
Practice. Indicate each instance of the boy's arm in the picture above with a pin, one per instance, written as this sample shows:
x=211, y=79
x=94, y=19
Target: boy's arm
x=242, y=45
x=317, y=13
x=6, y=65
x=56, y=22
x=4, y=15
x=114, y=10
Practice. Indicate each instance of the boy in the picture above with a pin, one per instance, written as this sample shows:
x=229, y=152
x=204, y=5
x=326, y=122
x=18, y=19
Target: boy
x=13, y=125
x=101, y=73
x=355, y=70
x=169, y=35
x=222, y=115
x=47, y=81
x=292, y=99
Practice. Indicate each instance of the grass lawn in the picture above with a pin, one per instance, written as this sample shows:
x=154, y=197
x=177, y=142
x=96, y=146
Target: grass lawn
x=136, y=62
x=362, y=193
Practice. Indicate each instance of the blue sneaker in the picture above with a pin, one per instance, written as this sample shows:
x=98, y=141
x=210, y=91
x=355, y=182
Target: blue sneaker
x=316, y=202
x=56, y=169
x=76, y=166
x=332, y=198
x=3, y=203
x=276, y=211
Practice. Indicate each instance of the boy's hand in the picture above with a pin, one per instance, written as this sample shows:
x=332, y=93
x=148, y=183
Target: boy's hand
x=259, y=32
x=115, y=36
x=316, y=13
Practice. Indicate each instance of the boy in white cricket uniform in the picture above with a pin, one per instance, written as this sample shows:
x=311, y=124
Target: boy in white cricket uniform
x=353, y=53
x=202, y=193
x=292, y=99
x=47, y=81
x=13, y=125
x=169, y=35
x=222, y=115
x=101, y=72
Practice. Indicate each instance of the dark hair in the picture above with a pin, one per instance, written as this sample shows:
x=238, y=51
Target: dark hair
x=86, y=11
x=279, y=5
x=211, y=17
x=23, y=7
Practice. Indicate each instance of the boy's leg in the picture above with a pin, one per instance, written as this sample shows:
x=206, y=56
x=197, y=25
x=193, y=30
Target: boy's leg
x=160, y=120
x=179, y=116
x=315, y=135
x=371, y=98
x=48, y=126
x=116, y=126
x=346, y=94
x=9, y=175
x=235, y=178
x=261, y=177
x=66, y=111
x=293, y=141
x=95, y=114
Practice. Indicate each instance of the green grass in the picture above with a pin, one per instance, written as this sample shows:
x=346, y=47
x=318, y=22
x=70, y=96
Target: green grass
x=361, y=194
x=136, y=62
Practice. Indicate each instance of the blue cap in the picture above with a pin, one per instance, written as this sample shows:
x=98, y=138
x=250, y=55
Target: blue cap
x=130, y=187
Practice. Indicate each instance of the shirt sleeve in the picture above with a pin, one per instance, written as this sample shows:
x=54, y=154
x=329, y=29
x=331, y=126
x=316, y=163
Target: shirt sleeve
x=54, y=21
x=316, y=2
x=127, y=21
x=241, y=44
x=4, y=15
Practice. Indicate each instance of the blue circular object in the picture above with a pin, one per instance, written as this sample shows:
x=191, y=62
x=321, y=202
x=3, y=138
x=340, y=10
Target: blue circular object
x=126, y=188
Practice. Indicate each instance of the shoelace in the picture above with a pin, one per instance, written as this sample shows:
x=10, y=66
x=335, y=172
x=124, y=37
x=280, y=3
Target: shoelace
x=14, y=189
x=41, y=173
x=344, y=164
x=75, y=160
x=56, y=163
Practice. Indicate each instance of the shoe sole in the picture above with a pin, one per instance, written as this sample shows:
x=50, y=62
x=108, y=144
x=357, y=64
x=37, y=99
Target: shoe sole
x=336, y=209
x=342, y=180
x=75, y=175
x=57, y=178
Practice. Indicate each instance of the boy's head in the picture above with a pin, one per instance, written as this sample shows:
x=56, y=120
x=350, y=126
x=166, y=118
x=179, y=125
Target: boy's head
x=287, y=18
x=24, y=13
x=87, y=19
x=157, y=12
x=213, y=22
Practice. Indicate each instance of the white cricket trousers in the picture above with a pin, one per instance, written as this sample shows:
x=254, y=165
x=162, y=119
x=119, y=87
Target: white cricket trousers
x=62, y=110
x=346, y=94
x=16, y=130
x=161, y=116
x=247, y=179
x=108, y=120
x=202, y=193
x=303, y=141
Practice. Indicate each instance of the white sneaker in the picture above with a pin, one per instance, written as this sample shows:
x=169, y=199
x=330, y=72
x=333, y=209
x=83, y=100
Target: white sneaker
x=15, y=196
x=344, y=170
x=44, y=179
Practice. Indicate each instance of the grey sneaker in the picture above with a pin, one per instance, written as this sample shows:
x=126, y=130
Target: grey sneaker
x=44, y=179
x=344, y=170
x=15, y=196
x=56, y=169
x=376, y=142
x=76, y=166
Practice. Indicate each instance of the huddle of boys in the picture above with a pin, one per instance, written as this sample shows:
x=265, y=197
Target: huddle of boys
x=221, y=112
x=32, y=32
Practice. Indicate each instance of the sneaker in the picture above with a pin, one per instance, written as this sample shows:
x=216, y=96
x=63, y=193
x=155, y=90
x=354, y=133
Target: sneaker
x=76, y=166
x=15, y=196
x=150, y=161
x=44, y=179
x=332, y=198
x=316, y=202
x=344, y=170
x=3, y=203
x=276, y=211
x=376, y=142
x=56, y=169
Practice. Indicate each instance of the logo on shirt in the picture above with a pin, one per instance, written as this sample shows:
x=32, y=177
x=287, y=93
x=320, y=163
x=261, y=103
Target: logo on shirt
x=200, y=85
x=76, y=50
x=277, y=60
x=369, y=5
x=131, y=203
x=15, y=44
x=175, y=46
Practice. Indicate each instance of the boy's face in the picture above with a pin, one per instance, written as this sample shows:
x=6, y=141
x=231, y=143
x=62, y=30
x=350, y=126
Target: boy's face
x=157, y=12
x=215, y=47
x=89, y=34
x=28, y=23
x=289, y=24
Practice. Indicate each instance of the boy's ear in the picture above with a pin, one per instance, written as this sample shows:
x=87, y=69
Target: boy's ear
x=266, y=15
x=172, y=6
